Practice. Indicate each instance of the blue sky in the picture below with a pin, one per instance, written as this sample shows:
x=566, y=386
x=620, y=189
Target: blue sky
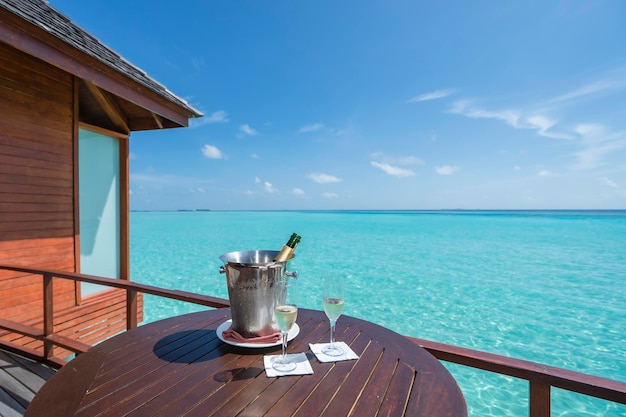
x=377, y=105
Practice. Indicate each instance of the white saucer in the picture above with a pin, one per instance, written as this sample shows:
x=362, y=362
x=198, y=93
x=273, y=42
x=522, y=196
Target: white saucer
x=295, y=329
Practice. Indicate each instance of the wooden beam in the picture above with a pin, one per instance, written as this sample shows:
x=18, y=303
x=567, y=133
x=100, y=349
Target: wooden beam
x=23, y=329
x=109, y=106
x=158, y=120
x=48, y=313
x=539, y=399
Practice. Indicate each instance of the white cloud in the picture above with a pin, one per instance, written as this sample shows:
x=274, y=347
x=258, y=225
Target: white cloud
x=311, y=128
x=405, y=160
x=465, y=108
x=597, y=143
x=329, y=195
x=609, y=182
x=323, y=178
x=269, y=188
x=446, y=169
x=517, y=168
x=254, y=156
x=607, y=85
x=544, y=173
x=298, y=191
x=433, y=95
x=248, y=130
x=410, y=160
x=212, y=152
x=216, y=117
x=393, y=170
x=543, y=124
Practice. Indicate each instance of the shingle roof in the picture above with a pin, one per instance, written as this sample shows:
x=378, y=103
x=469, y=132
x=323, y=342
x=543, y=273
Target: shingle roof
x=41, y=14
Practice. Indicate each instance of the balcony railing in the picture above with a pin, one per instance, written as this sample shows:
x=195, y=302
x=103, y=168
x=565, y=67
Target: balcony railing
x=541, y=378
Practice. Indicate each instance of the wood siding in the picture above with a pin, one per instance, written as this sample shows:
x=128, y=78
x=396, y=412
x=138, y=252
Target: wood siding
x=36, y=180
x=37, y=197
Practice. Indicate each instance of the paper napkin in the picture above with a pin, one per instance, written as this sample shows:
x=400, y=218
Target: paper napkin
x=303, y=367
x=348, y=353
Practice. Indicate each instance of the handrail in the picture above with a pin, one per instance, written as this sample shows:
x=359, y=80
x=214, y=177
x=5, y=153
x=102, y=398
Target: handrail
x=50, y=338
x=541, y=377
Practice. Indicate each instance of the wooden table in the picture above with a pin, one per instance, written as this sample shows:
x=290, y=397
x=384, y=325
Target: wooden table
x=178, y=367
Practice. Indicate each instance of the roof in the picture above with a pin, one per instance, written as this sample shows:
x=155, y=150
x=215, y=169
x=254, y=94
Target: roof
x=41, y=14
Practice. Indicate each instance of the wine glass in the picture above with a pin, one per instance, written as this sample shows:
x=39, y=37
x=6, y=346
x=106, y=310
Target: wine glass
x=285, y=312
x=333, y=306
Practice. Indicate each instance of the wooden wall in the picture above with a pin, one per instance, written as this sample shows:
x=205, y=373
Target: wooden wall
x=37, y=191
x=36, y=180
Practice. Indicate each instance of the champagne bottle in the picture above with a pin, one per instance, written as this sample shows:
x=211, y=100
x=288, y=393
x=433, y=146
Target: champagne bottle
x=286, y=252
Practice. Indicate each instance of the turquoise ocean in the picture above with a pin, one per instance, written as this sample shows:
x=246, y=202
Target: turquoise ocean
x=545, y=286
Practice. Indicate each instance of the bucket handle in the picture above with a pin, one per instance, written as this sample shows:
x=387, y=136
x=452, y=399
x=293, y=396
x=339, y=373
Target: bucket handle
x=293, y=274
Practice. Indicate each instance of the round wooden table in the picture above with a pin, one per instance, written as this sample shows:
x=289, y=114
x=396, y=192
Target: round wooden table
x=178, y=366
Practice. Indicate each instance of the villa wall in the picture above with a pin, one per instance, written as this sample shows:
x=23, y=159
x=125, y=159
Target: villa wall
x=38, y=228
x=36, y=180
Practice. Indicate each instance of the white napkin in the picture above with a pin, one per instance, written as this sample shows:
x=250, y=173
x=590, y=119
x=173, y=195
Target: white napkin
x=348, y=353
x=303, y=367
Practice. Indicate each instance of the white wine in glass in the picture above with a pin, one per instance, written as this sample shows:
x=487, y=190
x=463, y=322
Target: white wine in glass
x=285, y=312
x=333, y=302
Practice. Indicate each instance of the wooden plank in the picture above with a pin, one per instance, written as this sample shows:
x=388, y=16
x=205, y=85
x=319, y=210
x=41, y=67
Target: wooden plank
x=21, y=328
x=20, y=382
x=378, y=385
x=67, y=343
x=539, y=399
x=19, y=226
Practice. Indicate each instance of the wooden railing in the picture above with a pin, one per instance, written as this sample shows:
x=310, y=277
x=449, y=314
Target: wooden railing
x=47, y=333
x=540, y=377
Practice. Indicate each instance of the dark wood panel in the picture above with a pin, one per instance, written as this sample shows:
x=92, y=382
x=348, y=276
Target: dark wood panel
x=40, y=211
x=61, y=169
x=23, y=149
x=16, y=93
x=34, y=198
x=35, y=225
x=34, y=189
x=14, y=60
x=51, y=214
x=47, y=181
x=31, y=147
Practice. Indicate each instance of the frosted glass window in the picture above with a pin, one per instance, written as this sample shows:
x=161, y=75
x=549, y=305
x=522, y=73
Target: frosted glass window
x=99, y=205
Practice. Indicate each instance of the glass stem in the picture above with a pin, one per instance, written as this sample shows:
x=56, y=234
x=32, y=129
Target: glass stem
x=332, y=332
x=285, y=335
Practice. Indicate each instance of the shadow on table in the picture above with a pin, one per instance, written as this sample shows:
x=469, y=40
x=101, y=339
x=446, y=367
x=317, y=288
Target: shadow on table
x=188, y=346
x=194, y=346
x=237, y=374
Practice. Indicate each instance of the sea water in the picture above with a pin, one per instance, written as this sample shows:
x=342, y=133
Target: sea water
x=545, y=286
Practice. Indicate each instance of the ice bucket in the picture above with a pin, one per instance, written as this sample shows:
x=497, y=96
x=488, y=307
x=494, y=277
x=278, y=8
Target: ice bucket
x=250, y=276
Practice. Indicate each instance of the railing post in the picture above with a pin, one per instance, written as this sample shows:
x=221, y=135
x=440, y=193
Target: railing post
x=539, y=399
x=48, y=314
x=131, y=309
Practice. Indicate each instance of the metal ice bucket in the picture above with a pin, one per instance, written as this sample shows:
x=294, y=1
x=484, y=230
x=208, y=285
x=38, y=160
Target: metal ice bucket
x=250, y=276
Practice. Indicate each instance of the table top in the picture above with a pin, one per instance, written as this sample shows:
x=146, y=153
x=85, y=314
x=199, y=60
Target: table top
x=178, y=366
